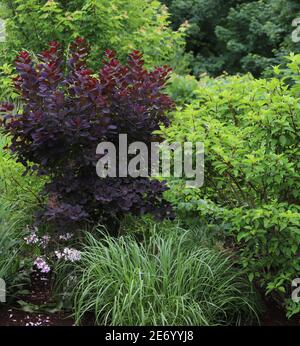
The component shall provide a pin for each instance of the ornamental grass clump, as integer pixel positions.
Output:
(163, 281)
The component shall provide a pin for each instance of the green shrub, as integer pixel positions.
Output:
(182, 88)
(250, 129)
(159, 282)
(16, 189)
(106, 24)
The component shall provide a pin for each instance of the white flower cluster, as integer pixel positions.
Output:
(69, 254)
(66, 236)
(34, 239)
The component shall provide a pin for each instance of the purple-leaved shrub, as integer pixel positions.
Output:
(67, 110)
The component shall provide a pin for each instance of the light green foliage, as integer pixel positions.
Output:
(14, 187)
(251, 131)
(163, 281)
(106, 24)
(7, 92)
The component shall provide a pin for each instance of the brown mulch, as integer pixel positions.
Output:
(275, 315)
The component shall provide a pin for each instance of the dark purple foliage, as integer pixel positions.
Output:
(67, 112)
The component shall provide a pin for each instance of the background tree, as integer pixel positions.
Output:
(236, 35)
(258, 34)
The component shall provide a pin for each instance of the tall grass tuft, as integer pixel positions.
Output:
(18, 202)
(11, 241)
(160, 282)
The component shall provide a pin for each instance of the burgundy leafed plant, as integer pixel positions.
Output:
(66, 112)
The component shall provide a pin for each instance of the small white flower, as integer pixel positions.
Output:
(58, 254)
(32, 239)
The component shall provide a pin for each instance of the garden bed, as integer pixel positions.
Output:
(93, 229)
(40, 298)
(13, 317)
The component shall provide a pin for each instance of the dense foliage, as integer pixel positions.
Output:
(107, 24)
(236, 35)
(67, 111)
(250, 129)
